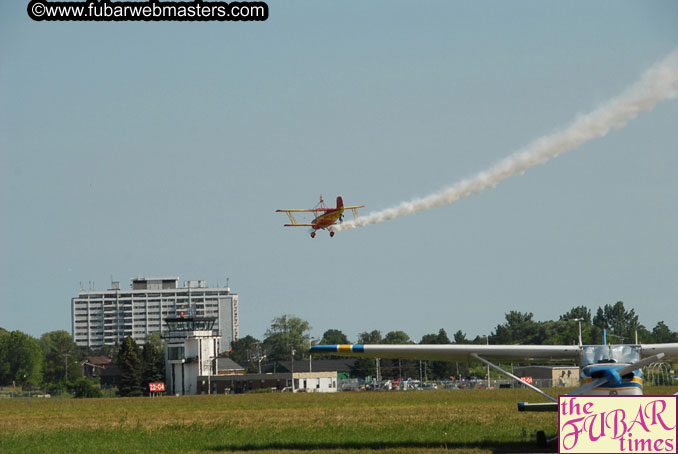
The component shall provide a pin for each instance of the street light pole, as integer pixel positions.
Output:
(209, 374)
(579, 320)
(310, 358)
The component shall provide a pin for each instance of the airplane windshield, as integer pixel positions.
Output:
(601, 354)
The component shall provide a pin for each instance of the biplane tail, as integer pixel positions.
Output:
(340, 202)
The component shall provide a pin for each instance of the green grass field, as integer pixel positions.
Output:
(381, 422)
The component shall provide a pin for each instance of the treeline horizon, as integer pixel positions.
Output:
(54, 364)
(289, 337)
(53, 359)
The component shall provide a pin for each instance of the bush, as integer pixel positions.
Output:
(261, 391)
(83, 387)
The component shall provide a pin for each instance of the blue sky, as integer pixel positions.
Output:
(152, 149)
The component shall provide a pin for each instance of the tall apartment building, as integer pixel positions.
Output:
(106, 317)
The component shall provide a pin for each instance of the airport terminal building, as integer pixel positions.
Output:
(106, 317)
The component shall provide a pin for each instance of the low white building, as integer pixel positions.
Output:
(311, 382)
(190, 350)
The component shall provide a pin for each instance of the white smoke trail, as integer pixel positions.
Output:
(658, 83)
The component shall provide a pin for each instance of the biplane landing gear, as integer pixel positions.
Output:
(312, 234)
(331, 233)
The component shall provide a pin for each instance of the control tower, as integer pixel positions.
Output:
(191, 347)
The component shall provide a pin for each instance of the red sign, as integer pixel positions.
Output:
(527, 380)
(156, 387)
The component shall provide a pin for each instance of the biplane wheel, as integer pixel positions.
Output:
(312, 234)
(331, 233)
(542, 442)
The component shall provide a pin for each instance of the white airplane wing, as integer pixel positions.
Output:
(466, 352)
(454, 352)
(670, 351)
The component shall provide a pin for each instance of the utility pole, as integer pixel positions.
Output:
(209, 373)
(66, 355)
(293, 370)
(310, 357)
(260, 357)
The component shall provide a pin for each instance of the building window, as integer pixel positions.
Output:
(175, 353)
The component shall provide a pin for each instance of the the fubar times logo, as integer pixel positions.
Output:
(617, 424)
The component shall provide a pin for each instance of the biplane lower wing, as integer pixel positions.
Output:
(293, 220)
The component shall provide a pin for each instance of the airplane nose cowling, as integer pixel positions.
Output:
(613, 377)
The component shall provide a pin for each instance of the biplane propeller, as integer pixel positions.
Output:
(325, 217)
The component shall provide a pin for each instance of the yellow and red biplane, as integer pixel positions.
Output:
(324, 216)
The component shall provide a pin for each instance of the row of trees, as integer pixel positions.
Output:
(289, 337)
(622, 327)
(54, 363)
(29, 362)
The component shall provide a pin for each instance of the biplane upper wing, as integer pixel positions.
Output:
(454, 352)
(315, 210)
(309, 210)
